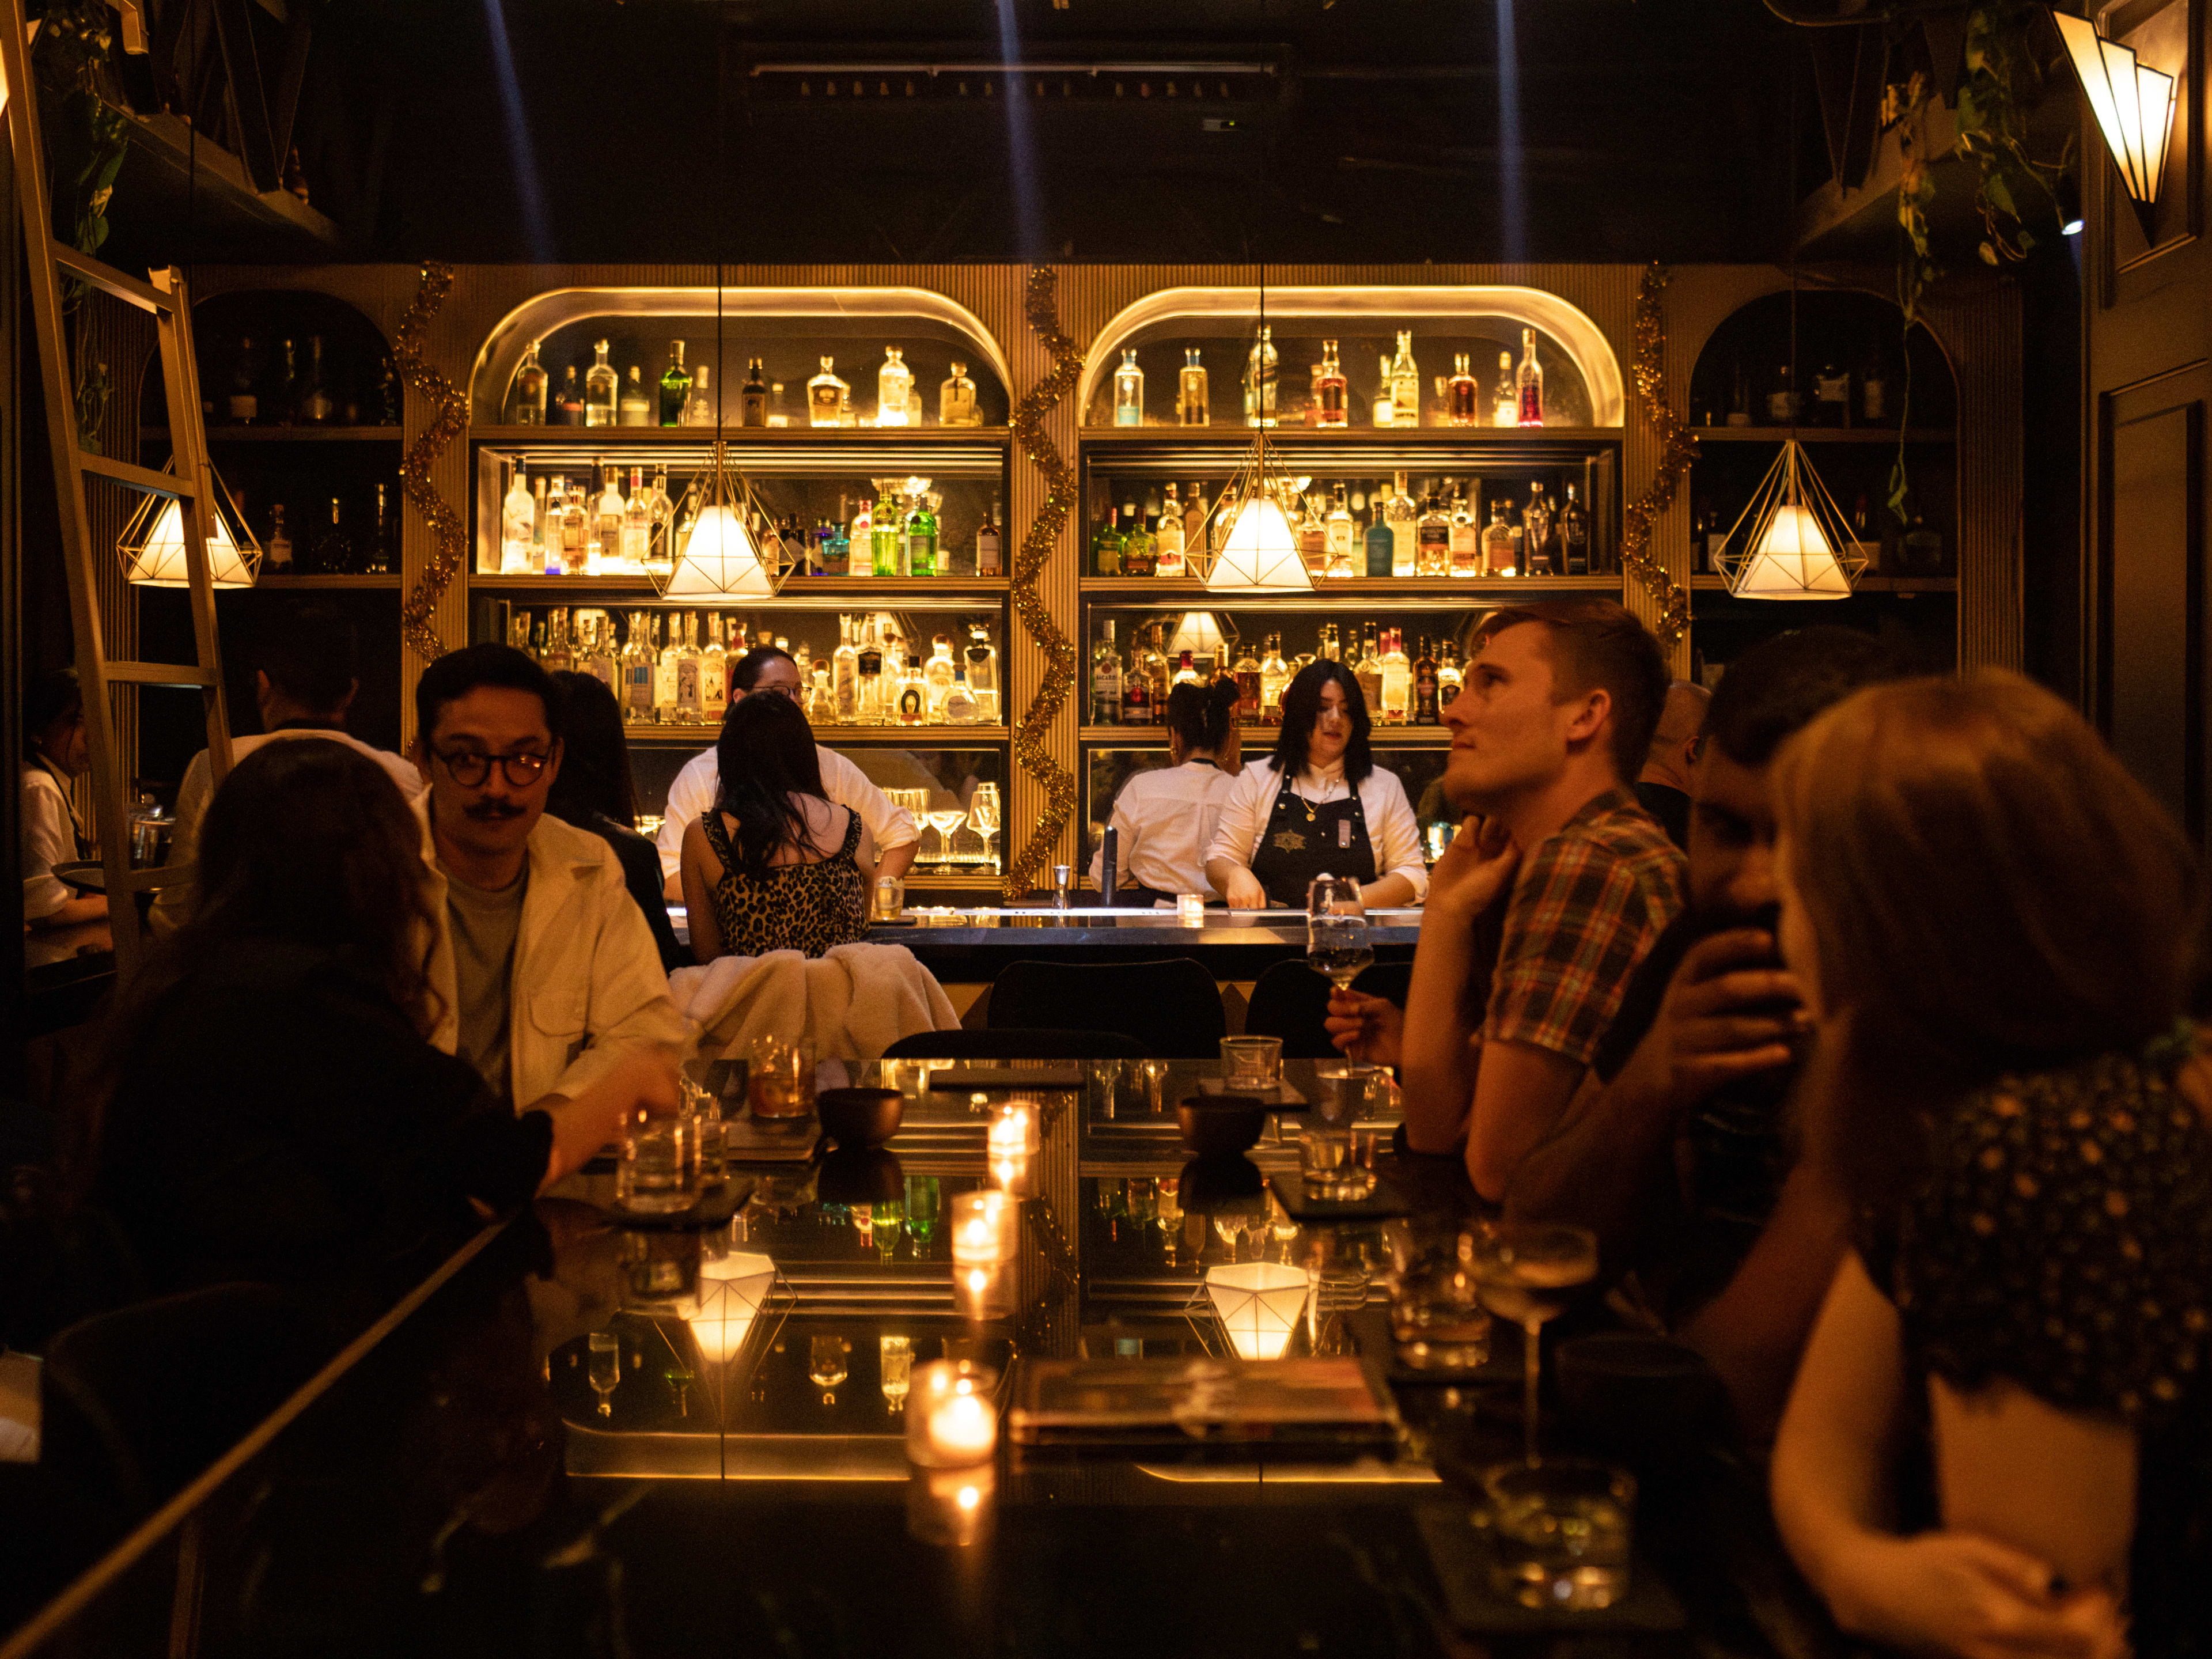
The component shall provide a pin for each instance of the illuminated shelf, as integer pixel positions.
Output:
(1408, 587)
(1866, 584)
(839, 736)
(1259, 738)
(805, 593)
(269, 434)
(590, 437)
(1351, 437)
(272, 579)
(1819, 434)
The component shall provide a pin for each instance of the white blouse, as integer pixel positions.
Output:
(1391, 825)
(1166, 818)
(49, 838)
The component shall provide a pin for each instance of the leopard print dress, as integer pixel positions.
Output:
(808, 908)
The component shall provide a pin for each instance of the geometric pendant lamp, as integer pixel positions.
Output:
(1795, 543)
(721, 559)
(152, 545)
(2133, 105)
(731, 1293)
(1260, 1304)
(1254, 544)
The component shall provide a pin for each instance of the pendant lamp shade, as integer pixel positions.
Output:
(152, 546)
(1792, 542)
(721, 558)
(1260, 1304)
(1199, 633)
(731, 1293)
(1254, 543)
(2133, 105)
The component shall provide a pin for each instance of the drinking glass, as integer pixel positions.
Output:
(1252, 1062)
(604, 1370)
(782, 1080)
(659, 1173)
(1337, 944)
(890, 898)
(983, 815)
(829, 1362)
(1526, 1270)
(944, 821)
(1560, 1532)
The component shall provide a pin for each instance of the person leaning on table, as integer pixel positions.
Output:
(1319, 804)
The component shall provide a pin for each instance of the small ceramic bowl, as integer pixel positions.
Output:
(1215, 1125)
(861, 1117)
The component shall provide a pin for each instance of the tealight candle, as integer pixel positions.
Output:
(985, 1229)
(962, 1430)
(952, 1416)
(1014, 1131)
(1191, 907)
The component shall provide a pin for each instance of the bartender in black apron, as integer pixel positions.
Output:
(1305, 839)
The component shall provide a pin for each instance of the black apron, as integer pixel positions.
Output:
(1305, 839)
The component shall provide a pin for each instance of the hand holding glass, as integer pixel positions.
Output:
(1337, 944)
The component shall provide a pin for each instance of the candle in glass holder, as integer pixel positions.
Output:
(984, 1293)
(985, 1229)
(952, 1415)
(1014, 1131)
(951, 1506)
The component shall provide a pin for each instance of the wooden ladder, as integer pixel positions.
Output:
(163, 295)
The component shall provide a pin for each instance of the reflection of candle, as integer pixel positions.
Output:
(985, 1229)
(986, 1292)
(962, 1430)
(951, 1506)
(1192, 909)
(952, 1419)
(1014, 1174)
(1014, 1131)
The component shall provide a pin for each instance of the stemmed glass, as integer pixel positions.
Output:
(983, 815)
(605, 1372)
(1337, 944)
(1526, 1270)
(944, 821)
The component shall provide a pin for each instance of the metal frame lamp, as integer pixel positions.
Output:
(1258, 1304)
(733, 1290)
(720, 558)
(1255, 545)
(152, 545)
(1798, 545)
(2133, 105)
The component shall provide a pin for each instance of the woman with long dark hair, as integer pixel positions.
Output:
(1164, 817)
(776, 865)
(1318, 805)
(594, 791)
(2001, 1433)
(277, 1113)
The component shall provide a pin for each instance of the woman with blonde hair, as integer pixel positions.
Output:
(1998, 1438)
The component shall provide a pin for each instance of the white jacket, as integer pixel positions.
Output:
(588, 983)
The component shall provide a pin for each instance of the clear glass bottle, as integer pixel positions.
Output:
(637, 665)
(1106, 679)
(517, 527)
(1313, 540)
(1461, 394)
(1142, 694)
(1275, 675)
(1448, 675)
(599, 388)
(1262, 368)
(982, 671)
(990, 544)
(921, 535)
(699, 403)
(1397, 679)
(659, 514)
(1195, 508)
(1536, 534)
(1168, 537)
(675, 387)
(1497, 543)
(960, 706)
(1400, 512)
(956, 399)
(1467, 544)
(1340, 533)
(868, 668)
(575, 533)
(600, 662)
(1385, 410)
(278, 547)
(1432, 539)
(1331, 394)
(1405, 382)
(911, 703)
(1575, 537)
(636, 525)
(556, 658)
(1191, 407)
(636, 407)
(1504, 399)
(825, 395)
(894, 380)
(1528, 381)
(664, 676)
(714, 673)
(1367, 671)
(1244, 669)
(1129, 391)
(936, 674)
(568, 409)
(1186, 673)
(606, 545)
(690, 704)
(887, 534)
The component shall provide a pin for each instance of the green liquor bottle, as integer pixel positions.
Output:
(1381, 539)
(921, 537)
(1106, 547)
(886, 534)
(675, 386)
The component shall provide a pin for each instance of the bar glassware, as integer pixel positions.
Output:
(1063, 886)
(1337, 945)
(1527, 1270)
(1560, 1533)
(1251, 1062)
(604, 1370)
(983, 815)
(659, 1173)
(782, 1080)
(890, 898)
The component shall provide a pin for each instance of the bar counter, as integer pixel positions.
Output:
(547, 1448)
(966, 945)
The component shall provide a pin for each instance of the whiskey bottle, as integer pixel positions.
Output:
(1461, 394)
(956, 399)
(921, 535)
(1448, 676)
(1313, 541)
(1106, 679)
(1149, 663)
(600, 384)
(675, 387)
(825, 395)
(568, 408)
(894, 380)
(1139, 543)
(1397, 679)
(636, 405)
(990, 548)
(1536, 534)
(636, 537)
(714, 673)
(752, 396)
(1367, 671)
(1506, 399)
(1529, 382)
(278, 547)
(1432, 540)
(1574, 536)
(1186, 673)
(1339, 532)
(1497, 543)
(1192, 406)
(1426, 710)
(1262, 366)
(1168, 537)
(1331, 393)
(1138, 706)
(1275, 675)
(1129, 391)
(1381, 546)
(1246, 669)
(1467, 543)
(1401, 514)
(1386, 412)
(982, 672)
(868, 667)
(1405, 383)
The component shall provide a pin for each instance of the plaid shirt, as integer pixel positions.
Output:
(1586, 906)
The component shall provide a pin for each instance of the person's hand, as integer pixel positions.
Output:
(1371, 1030)
(1956, 1592)
(1475, 869)
(1245, 892)
(642, 1083)
(1728, 1012)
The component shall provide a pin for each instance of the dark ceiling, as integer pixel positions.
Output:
(1322, 130)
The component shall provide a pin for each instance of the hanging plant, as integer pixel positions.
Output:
(76, 39)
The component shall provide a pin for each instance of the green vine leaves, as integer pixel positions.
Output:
(2016, 194)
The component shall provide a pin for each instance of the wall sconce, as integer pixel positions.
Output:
(2133, 105)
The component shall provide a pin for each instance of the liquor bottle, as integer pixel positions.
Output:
(312, 405)
(288, 383)
(868, 667)
(1150, 662)
(385, 398)
(887, 534)
(1313, 540)
(384, 545)
(575, 534)
(1405, 383)
(1536, 535)
(1781, 403)
(936, 674)
(1873, 391)
(675, 387)
(1426, 711)
(635, 536)
(1386, 411)
(636, 408)
(1129, 391)
(1448, 677)
(659, 514)
(637, 672)
(1192, 405)
(1380, 545)
(1529, 382)
(910, 706)
(1397, 679)
(334, 553)
(1398, 513)
(278, 547)
(1275, 675)
(597, 658)
(1505, 401)
(1106, 679)
(699, 408)
(690, 692)
(1195, 543)
(714, 673)
(517, 527)
(1186, 673)
(605, 545)
(1140, 704)
(1432, 539)
(1168, 538)
(1246, 672)
(1832, 396)
(838, 546)
(961, 708)
(1139, 544)
(1331, 394)
(1440, 401)
(567, 408)
(982, 672)
(1497, 543)
(556, 658)
(956, 399)
(1106, 547)
(1466, 543)
(664, 676)
(752, 396)
(1326, 648)
(1339, 532)
(921, 535)
(894, 380)
(242, 404)
(545, 532)
(600, 384)
(1260, 370)
(776, 414)
(1461, 394)
(1367, 671)
(825, 395)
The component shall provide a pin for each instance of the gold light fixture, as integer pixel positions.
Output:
(2133, 105)
(1792, 541)
(152, 545)
(721, 558)
(1253, 540)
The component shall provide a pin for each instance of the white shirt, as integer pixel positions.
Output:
(175, 905)
(1166, 817)
(49, 837)
(844, 783)
(1391, 826)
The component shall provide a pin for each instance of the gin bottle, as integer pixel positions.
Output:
(825, 395)
(1261, 368)
(1337, 530)
(636, 525)
(921, 535)
(1405, 382)
(699, 403)
(1397, 679)
(845, 676)
(689, 699)
(1497, 543)
(1379, 545)
(714, 673)
(894, 380)
(1460, 397)
(1330, 392)
(1194, 523)
(1529, 382)
(607, 524)
(1106, 546)
(912, 704)
(637, 665)
(1432, 535)
(982, 671)
(526, 401)
(956, 399)
(1129, 391)
(516, 524)
(937, 674)
(636, 404)
(575, 534)
(1168, 539)
(1505, 401)
(600, 383)
(1275, 675)
(1400, 513)
(660, 511)
(665, 676)
(1386, 411)
(1191, 403)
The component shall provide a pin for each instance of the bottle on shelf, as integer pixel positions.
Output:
(1186, 673)
(569, 410)
(1448, 675)
(1339, 532)
(384, 542)
(1440, 401)
(334, 553)
(825, 395)
(894, 380)
(1149, 661)
(660, 517)
(1385, 409)
(637, 666)
(1326, 647)
(690, 699)
(1426, 710)
(312, 405)
(714, 673)
(1246, 672)
(1106, 546)
(1367, 671)
(1832, 396)
(606, 545)
(600, 407)
(1168, 537)
(597, 658)
(936, 674)
(921, 535)
(1506, 399)
(1129, 391)
(868, 668)
(1432, 538)
(1194, 543)
(1401, 516)
(1405, 383)
(956, 399)
(635, 407)
(982, 669)
(837, 549)
(288, 383)
(556, 658)
(1138, 705)
(1397, 679)
(1331, 394)
(1782, 407)
(1192, 405)
(543, 531)
(752, 396)
(575, 534)
(1139, 547)
(277, 549)
(776, 414)
(518, 526)
(242, 401)
(675, 387)
(1497, 543)
(1462, 397)
(845, 676)
(913, 694)
(887, 534)
(1313, 540)
(1536, 534)
(1378, 543)
(1528, 381)
(1466, 543)
(1275, 675)
(635, 538)
(1873, 391)
(664, 675)
(1261, 369)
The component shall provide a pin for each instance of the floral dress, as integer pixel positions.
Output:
(807, 907)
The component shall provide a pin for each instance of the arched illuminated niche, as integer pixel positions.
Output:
(1568, 340)
(869, 317)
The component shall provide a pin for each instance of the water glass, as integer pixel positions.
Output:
(659, 1173)
(1252, 1062)
(783, 1079)
(1560, 1532)
(1437, 1315)
(890, 898)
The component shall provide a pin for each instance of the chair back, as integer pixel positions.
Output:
(1171, 1006)
(1017, 1045)
(1290, 1001)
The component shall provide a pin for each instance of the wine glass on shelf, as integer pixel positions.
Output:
(1337, 944)
(605, 1372)
(945, 820)
(1527, 1270)
(983, 815)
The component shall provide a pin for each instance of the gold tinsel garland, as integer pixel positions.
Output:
(1026, 867)
(1678, 448)
(449, 414)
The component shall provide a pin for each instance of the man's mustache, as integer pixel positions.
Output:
(488, 811)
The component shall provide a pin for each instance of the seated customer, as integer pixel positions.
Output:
(776, 865)
(1318, 805)
(1985, 914)
(1542, 906)
(545, 971)
(1678, 1151)
(56, 749)
(277, 1114)
(594, 791)
(306, 674)
(1164, 818)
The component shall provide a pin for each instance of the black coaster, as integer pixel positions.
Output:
(714, 1207)
(1461, 1553)
(1381, 1202)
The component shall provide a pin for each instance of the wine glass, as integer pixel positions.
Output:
(983, 815)
(605, 1368)
(1526, 1270)
(1337, 944)
(944, 821)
